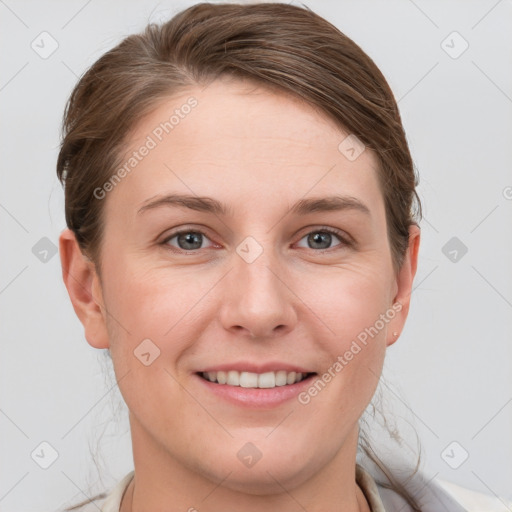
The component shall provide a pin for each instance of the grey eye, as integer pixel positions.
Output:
(319, 239)
(187, 240)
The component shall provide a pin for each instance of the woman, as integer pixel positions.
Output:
(243, 238)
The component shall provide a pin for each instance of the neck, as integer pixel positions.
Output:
(162, 484)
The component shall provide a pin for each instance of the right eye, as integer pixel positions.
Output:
(186, 240)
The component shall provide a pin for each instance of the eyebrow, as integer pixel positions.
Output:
(301, 207)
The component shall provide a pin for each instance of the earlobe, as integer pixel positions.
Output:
(84, 289)
(404, 282)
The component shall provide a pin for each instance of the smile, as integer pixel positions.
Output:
(254, 380)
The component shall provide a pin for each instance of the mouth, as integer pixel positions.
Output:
(251, 380)
(254, 390)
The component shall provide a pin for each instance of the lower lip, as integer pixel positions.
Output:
(257, 397)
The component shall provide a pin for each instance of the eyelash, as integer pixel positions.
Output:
(345, 241)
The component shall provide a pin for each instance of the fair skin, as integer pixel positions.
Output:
(300, 303)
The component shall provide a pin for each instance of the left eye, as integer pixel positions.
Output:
(187, 240)
(321, 239)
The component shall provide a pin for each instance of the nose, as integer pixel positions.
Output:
(257, 300)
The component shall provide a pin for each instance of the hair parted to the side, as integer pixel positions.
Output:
(284, 47)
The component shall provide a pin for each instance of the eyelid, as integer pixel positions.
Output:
(345, 239)
(186, 229)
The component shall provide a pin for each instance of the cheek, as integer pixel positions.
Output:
(346, 300)
(156, 303)
(351, 305)
(152, 322)
(168, 304)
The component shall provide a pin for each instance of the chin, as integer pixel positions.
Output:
(265, 481)
(268, 475)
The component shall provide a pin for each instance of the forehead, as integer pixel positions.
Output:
(240, 141)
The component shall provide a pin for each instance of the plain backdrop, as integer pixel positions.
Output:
(449, 375)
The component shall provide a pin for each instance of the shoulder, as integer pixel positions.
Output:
(475, 501)
(109, 501)
(432, 495)
(438, 494)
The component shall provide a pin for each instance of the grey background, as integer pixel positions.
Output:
(449, 375)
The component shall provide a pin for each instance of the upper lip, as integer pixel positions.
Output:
(252, 367)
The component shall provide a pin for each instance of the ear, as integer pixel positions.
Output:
(84, 289)
(404, 281)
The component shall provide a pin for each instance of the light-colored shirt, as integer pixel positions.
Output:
(433, 495)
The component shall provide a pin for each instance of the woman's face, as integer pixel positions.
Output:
(283, 263)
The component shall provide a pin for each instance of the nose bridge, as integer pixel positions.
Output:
(258, 274)
(258, 301)
(255, 269)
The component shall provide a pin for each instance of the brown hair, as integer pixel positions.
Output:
(280, 46)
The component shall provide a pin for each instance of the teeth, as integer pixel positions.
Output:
(280, 378)
(248, 380)
(267, 380)
(233, 378)
(254, 380)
